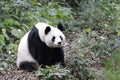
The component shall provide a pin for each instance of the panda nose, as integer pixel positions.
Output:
(59, 43)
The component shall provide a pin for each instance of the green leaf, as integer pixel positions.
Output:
(88, 30)
(16, 23)
(65, 11)
(17, 33)
(5, 34)
(2, 42)
(118, 34)
(8, 22)
(4, 64)
(34, 2)
(1, 39)
(1, 24)
(52, 12)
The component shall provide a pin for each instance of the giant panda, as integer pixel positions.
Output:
(41, 46)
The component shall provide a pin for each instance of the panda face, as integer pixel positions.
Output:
(57, 41)
(54, 37)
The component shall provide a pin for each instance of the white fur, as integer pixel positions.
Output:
(57, 33)
(23, 52)
(47, 38)
(41, 28)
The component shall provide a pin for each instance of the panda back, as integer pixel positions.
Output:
(23, 51)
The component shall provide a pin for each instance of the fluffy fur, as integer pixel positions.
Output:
(41, 46)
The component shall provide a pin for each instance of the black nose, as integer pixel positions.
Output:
(59, 43)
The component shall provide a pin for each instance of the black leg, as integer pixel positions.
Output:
(29, 66)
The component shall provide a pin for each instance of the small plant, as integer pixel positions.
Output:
(53, 72)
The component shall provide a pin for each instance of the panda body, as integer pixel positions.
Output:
(41, 46)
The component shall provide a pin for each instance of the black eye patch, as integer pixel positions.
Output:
(61, 38)
(53, 38)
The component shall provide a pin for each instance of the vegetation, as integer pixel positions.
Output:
(112, 66)
(53, 72)
(94, 23)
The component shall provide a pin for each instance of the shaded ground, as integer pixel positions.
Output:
(18, 75)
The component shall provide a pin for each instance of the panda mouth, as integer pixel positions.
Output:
(54, 46)
(57, 46)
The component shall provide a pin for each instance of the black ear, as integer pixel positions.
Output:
(60, 27)
(47, 30)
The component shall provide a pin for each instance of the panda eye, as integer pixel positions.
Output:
(61, 38)
(53, 38)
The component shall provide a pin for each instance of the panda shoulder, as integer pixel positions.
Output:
(41, 26)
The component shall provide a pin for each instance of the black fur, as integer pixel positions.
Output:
(30, 66)
(53, 38)
(41, 52)
(61, 38)
(47, 30)
(60, 27)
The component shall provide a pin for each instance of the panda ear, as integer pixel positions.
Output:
(47, 30)
(60, 27)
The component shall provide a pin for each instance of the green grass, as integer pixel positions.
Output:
(112, 66)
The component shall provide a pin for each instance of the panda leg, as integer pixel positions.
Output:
(29, 66)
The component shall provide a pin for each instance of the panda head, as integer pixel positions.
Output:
(54, 36)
